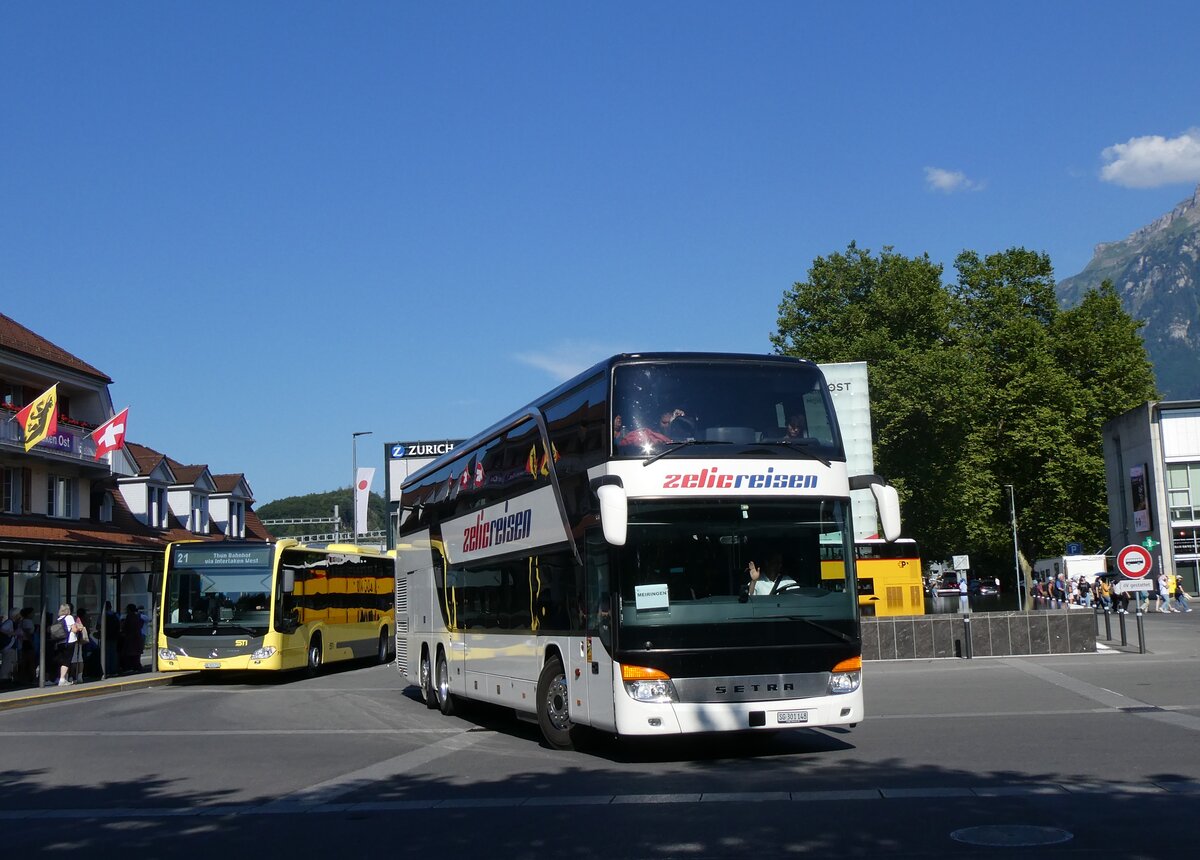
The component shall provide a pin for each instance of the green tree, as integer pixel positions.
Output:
(977, 384)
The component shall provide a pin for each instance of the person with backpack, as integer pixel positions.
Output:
(63, 636)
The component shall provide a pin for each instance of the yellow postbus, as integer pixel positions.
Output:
(888, 575)
(264, 606)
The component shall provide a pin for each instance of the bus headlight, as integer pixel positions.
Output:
(648, 685)
(846, 676)
(263, 653)
(167, 654)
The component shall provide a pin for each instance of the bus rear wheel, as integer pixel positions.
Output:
(444, 699)
(554, 706)
(384, 651)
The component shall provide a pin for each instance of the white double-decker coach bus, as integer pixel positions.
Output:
(639, 551)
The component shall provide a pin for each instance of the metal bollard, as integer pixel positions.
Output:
(1121, 619)
(1107, 624)
(967, 635)
(1141, 632)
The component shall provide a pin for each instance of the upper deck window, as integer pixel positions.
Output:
(778, 406)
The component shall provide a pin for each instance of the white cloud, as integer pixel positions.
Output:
(950, 181)
(1153, 160)
(566, 359)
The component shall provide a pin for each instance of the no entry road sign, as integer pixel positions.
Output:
(1134, 561)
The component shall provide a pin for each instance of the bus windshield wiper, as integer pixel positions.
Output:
(249, 631)
(675, 446)
(804, 448)
(823, 627)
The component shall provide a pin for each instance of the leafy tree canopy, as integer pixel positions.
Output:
(977, 384)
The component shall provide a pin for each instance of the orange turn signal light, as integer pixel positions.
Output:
(641, 673)
(850, 664)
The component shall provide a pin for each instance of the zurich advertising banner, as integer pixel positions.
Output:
(852, 402)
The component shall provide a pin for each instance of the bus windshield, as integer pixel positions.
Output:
(214, 588)
(783, 408)
(684, 574)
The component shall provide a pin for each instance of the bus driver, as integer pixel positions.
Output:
(770, 578)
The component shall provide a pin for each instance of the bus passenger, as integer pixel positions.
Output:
(618, 431)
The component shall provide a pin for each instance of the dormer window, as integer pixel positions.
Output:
(106, 508)
(156, 507)
(198, 519)
(236, 527)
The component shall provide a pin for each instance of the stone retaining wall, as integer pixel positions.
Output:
(993, 634)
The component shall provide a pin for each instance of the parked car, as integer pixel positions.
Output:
(983, 586)
(946, 584)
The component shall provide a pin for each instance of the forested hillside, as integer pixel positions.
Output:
(321, 505)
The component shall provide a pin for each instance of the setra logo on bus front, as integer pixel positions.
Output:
(713, 479)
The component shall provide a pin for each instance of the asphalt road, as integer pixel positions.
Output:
(1092, 755)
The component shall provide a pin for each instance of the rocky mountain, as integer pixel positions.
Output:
(1156, 271)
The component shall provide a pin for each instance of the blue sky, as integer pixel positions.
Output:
(275, 224)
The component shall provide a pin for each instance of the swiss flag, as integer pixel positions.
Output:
(110, 435)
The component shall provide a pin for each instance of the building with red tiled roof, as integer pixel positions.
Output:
(82, 530)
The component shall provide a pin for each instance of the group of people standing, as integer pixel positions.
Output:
(1061, 591)
(71, 646)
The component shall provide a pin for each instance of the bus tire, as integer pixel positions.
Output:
(384, 651)
(427, 692)
(316, 655)
(554, 706)
(445, 700)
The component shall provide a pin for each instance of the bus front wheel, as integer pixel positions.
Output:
(315, 655)
(444, 699)
(384, 651)
(554, 706)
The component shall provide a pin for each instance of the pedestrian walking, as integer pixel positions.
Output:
(1181, 598)
(1164, 593)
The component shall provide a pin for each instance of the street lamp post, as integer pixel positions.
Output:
(1012, 507)
(354, 477)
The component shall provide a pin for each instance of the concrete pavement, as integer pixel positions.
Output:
(1174, 634)
(21, 697)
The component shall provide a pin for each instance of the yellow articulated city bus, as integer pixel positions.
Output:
(265, 607)
(888, 575)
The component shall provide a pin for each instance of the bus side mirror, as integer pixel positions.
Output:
(288, 583)
(888, 503)
(614, 509)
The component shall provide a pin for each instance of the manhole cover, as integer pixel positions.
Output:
(1011, 835)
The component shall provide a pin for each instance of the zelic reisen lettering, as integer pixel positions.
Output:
(712, 479)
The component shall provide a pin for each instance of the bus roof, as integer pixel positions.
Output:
(601, 367)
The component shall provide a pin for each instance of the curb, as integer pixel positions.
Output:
(87, 690)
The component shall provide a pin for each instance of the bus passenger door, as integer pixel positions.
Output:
(598, 642)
